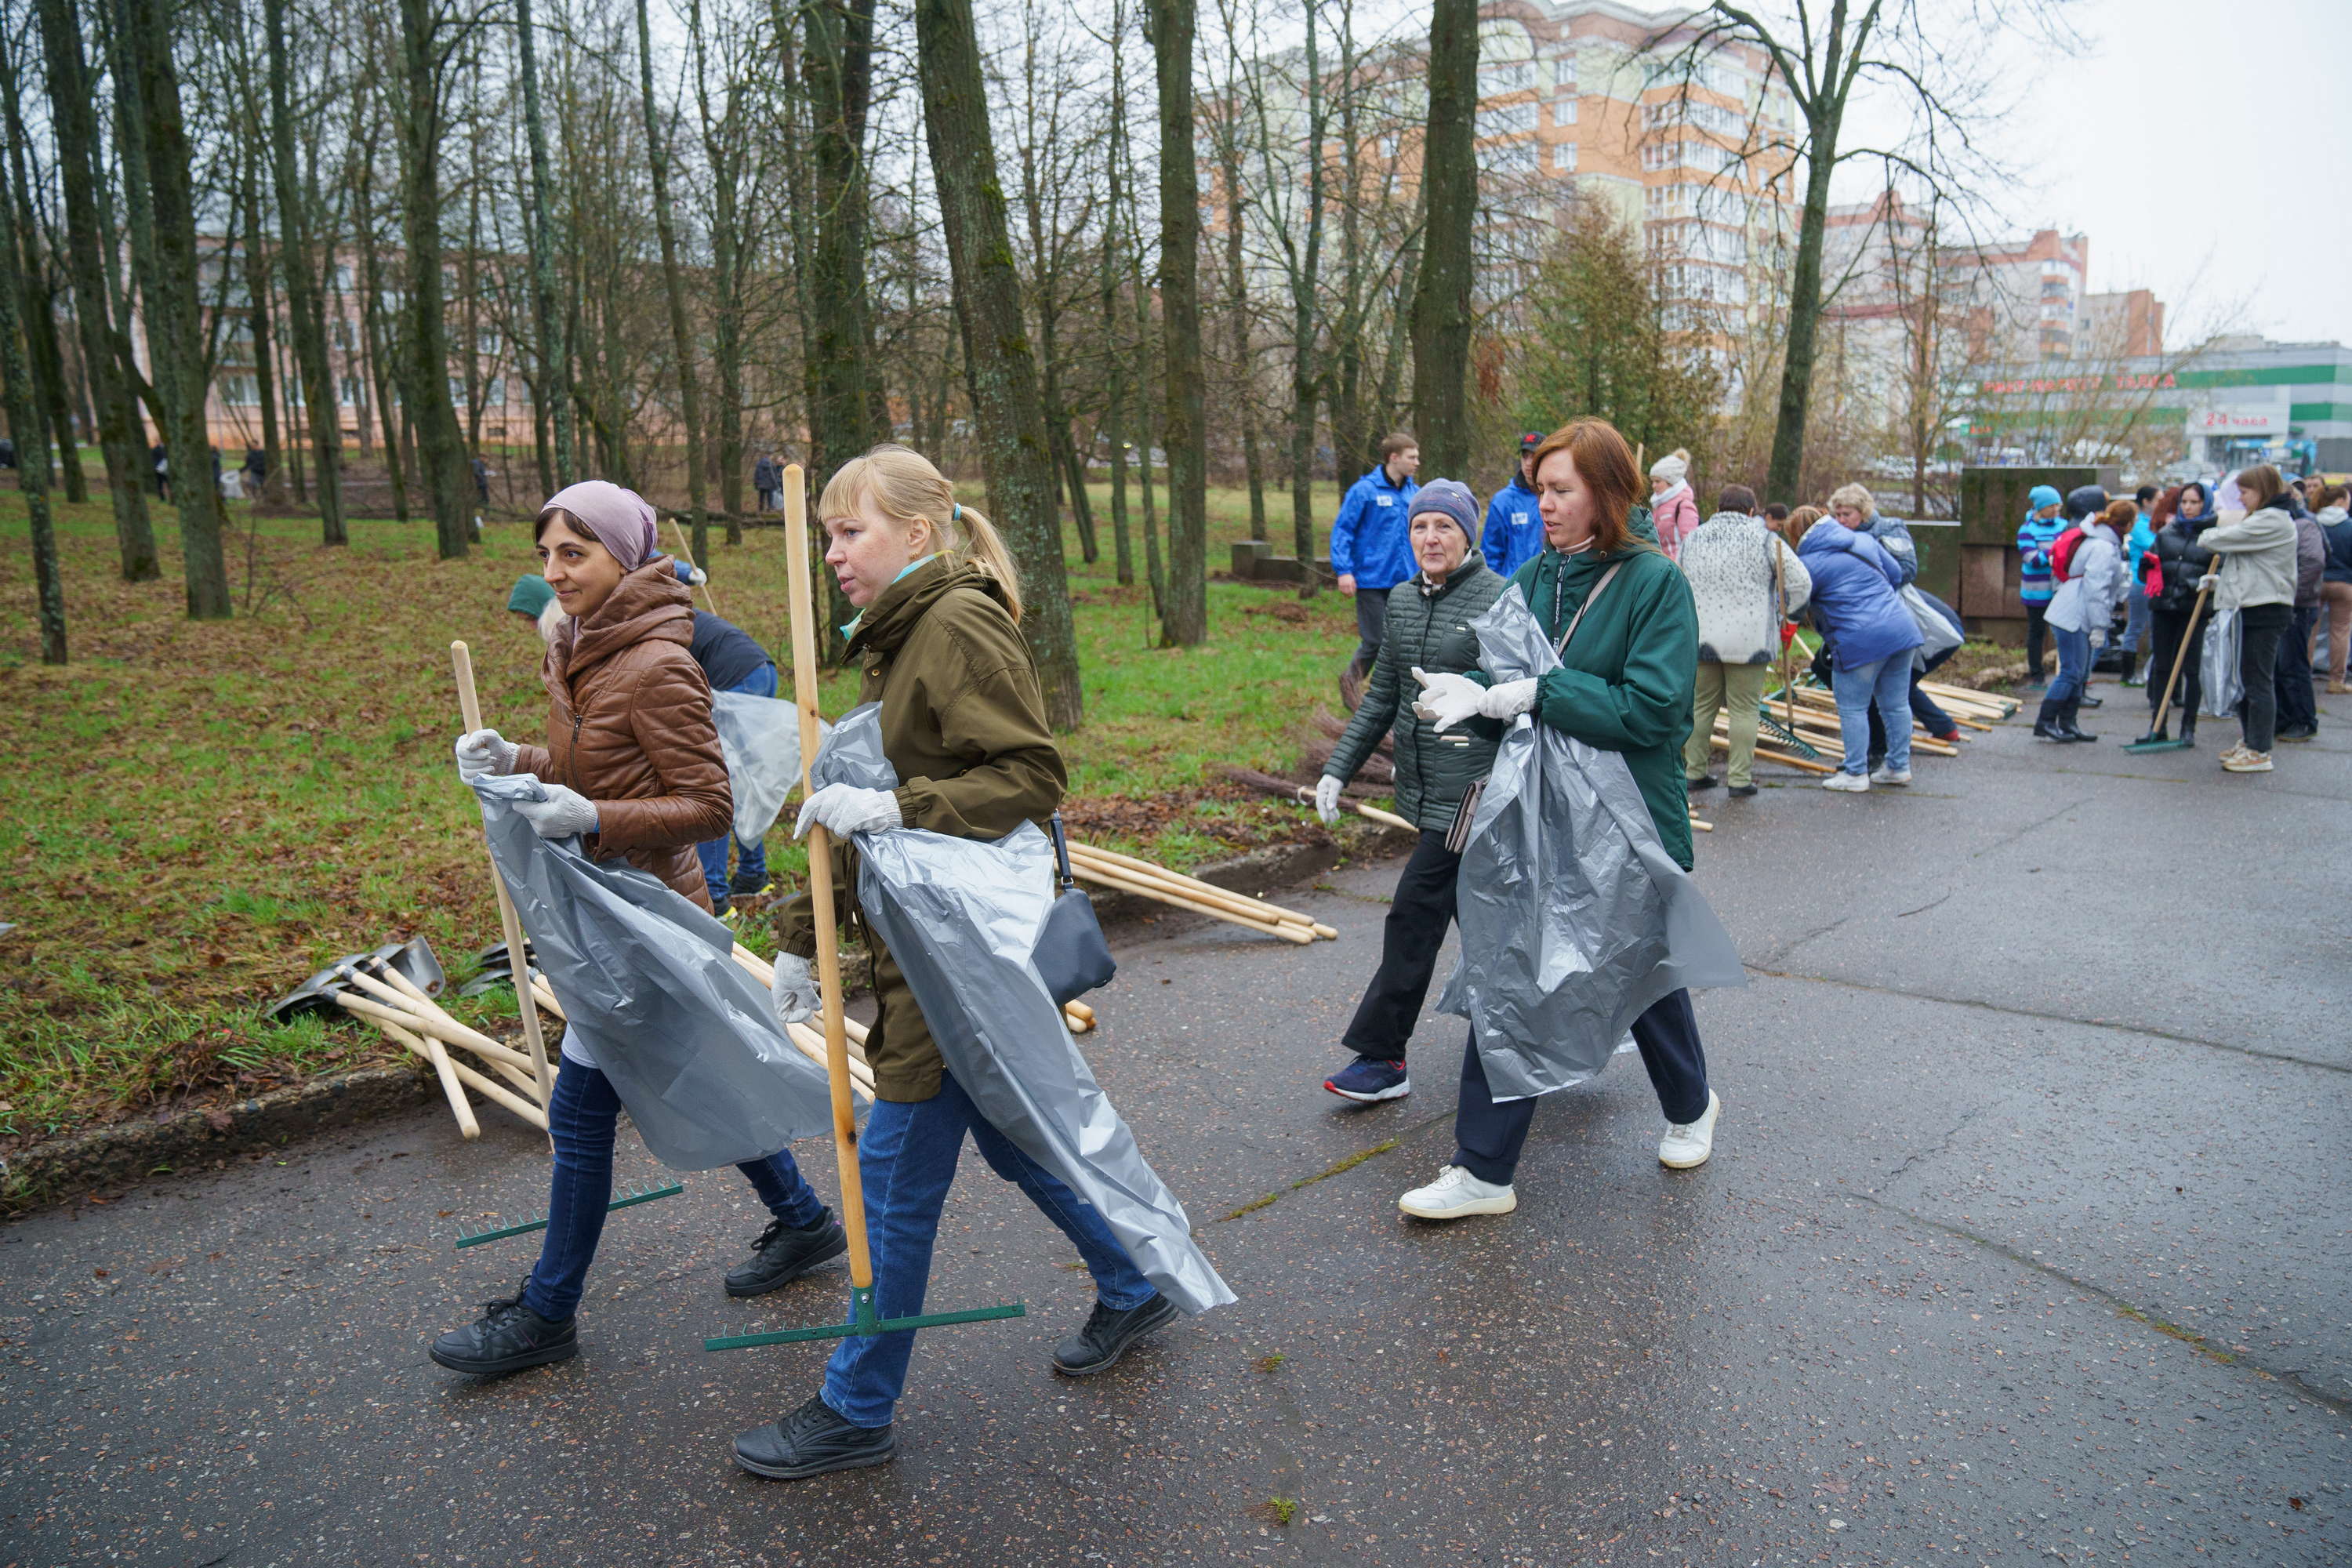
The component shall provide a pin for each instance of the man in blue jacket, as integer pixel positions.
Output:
(1514, 533)
(1370, 550)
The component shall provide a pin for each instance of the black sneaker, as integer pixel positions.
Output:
(1740, 792)
(719, 906)
(782, 1255)
(811, 1441)
(1107, 1334)
(1705, 781)
(738, 886)
(509, 1337)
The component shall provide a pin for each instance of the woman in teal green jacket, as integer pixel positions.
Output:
(1625, 684)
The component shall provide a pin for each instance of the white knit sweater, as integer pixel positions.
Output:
(1728, 560)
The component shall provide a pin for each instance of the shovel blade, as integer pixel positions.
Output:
(316, 994)
(415, 960)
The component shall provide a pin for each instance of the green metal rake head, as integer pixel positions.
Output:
(629, 1199)
(863, 1324)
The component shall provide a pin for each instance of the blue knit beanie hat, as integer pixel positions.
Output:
(1453, 498)
(2041, 495)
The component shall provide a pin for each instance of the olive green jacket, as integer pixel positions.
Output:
(963, 723)
(1429, 629)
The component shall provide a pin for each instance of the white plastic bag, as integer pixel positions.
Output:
(2219, 671)
(761, 739)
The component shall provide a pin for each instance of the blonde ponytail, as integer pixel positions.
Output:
(903, 485)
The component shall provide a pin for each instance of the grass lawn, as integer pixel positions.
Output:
(195, 816)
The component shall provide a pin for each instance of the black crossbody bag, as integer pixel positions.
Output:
(1071, 955)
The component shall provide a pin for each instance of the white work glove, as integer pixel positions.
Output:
(482, 752)
(1327, 798)
(1448, 699)
(2208, 580)
(794, 993)
(696, 576)
(1508, 701)
(844, 809)
(561, 815)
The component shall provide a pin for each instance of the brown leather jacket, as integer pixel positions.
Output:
(629, 727)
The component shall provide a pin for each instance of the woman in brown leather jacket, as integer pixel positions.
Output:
(963, 724)
(632, 764)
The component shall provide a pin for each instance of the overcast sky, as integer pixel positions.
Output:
(2205, 146)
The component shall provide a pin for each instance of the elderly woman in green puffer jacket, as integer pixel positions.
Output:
(1428, 631)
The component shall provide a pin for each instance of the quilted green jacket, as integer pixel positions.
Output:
(1428, 628)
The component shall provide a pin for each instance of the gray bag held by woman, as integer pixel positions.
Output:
(651, 989)
(1574, 919)
(962, 919)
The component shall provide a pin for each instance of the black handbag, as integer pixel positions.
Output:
(1071, 955)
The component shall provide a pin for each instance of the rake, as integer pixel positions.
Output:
(2179, 657)
(864, 1323)
(629, 1199)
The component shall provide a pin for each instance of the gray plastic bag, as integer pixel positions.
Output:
(761, 739)
(1574, 919)
(960, 917)
(651, 989)
(2222, 687)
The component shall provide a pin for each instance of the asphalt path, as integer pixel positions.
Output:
(2024, 1241)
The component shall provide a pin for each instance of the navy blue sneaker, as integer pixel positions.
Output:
(1368, 1081)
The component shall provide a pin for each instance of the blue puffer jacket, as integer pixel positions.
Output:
(1854, 598)
(1369, 540)
(1514, 534)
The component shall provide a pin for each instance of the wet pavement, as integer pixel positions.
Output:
(2024, 1241)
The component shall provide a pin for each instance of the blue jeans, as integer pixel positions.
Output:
(1883, 684)
(2137, 624)
(2073, 664)
(751, 860)
(582, 1118)
(907, 1158)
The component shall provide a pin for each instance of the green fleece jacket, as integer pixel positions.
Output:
(963, 722)
(1625, 684)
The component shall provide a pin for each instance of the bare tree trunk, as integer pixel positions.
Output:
(32, 444)
(1001, 366)
(1186, 429)
(39, 304)
(1229, 154)
(119, 435)
(371, 337)
(839, 76)
(1441, 303)
(552, 351)
(431, 419)
(260, 312)
(1115, 404)
(681, 340)
(723, 150)
(175, 337)
(298, 260)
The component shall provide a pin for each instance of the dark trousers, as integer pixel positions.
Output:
(1419, 914)
(2169, 626)
(1487, 1137)
(1372, 625)
(2298, 705)
(581, 1116)
(2260, 627)
(2036, 631)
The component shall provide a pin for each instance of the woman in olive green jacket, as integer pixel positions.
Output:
(1428, 628)
(1625, 684)
(963, 724)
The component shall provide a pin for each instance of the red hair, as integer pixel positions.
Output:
(1605, 463)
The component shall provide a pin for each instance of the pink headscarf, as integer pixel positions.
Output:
(621, 520)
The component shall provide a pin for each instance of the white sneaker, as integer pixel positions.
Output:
(1687, 1144)
(1853, 783)
(1886, 775)
(1457, 1192)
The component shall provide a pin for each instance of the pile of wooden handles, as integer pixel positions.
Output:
(393, 1004)
(1125, 874)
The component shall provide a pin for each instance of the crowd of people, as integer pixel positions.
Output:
(1656, 621)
